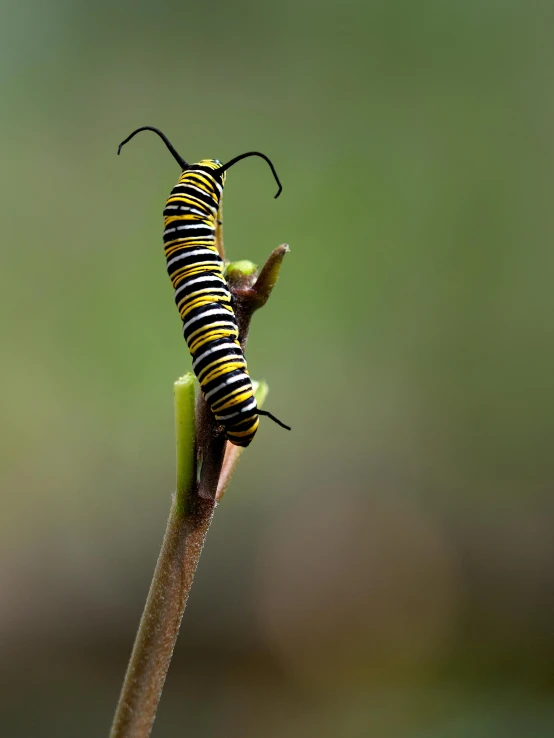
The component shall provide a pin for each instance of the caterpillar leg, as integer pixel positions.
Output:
(275, 420)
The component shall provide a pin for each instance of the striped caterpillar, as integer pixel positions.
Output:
(202, 295)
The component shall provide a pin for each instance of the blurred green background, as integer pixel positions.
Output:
(387, 568)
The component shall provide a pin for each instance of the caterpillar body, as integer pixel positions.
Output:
(202, 295)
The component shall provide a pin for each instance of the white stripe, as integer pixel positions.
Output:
(192, 225)
(198, 189)
(245, 409)
(207, 175)
(215, 311)
(236, 378)
(188, 282)
(186, 208)
(209, 239)
(215, 323)
(215, 181)
(218, 295)
(234, 358)
(215, 348)
(186, 226)
(193, 252)
(208, 278)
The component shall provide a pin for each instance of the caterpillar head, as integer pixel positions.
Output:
(211, 166)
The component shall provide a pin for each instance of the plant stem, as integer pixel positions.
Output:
(191, 513)
(159, 626)
(188, 523)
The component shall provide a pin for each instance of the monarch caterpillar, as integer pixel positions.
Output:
(202, 295)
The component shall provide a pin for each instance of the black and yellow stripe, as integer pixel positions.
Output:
(204, 301)
(202, 296)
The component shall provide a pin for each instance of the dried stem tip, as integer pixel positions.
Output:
(253, 288)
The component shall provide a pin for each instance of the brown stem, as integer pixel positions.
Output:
(188, 524)
(252, 291)
(230, 461)
(210, 450)
(189, 519)
(159, 626)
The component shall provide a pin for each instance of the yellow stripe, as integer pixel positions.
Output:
(190, 200)
(251, 430)
(194, 337)
(224, 331)
(201, 181)
(227, 368)
(186, 271)
(201, 341)
(215, 297)
(196, 302)
(235, 397)
(183, 246)
(169, 219)
(215, 362)
(177, 279)
(204, 241)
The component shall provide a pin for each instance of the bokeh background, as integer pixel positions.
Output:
(387, 568)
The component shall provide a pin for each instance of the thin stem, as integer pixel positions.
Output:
(189, 520)
(192, 509)
(159, 625)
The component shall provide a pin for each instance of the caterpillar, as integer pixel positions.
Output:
(202, 296)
